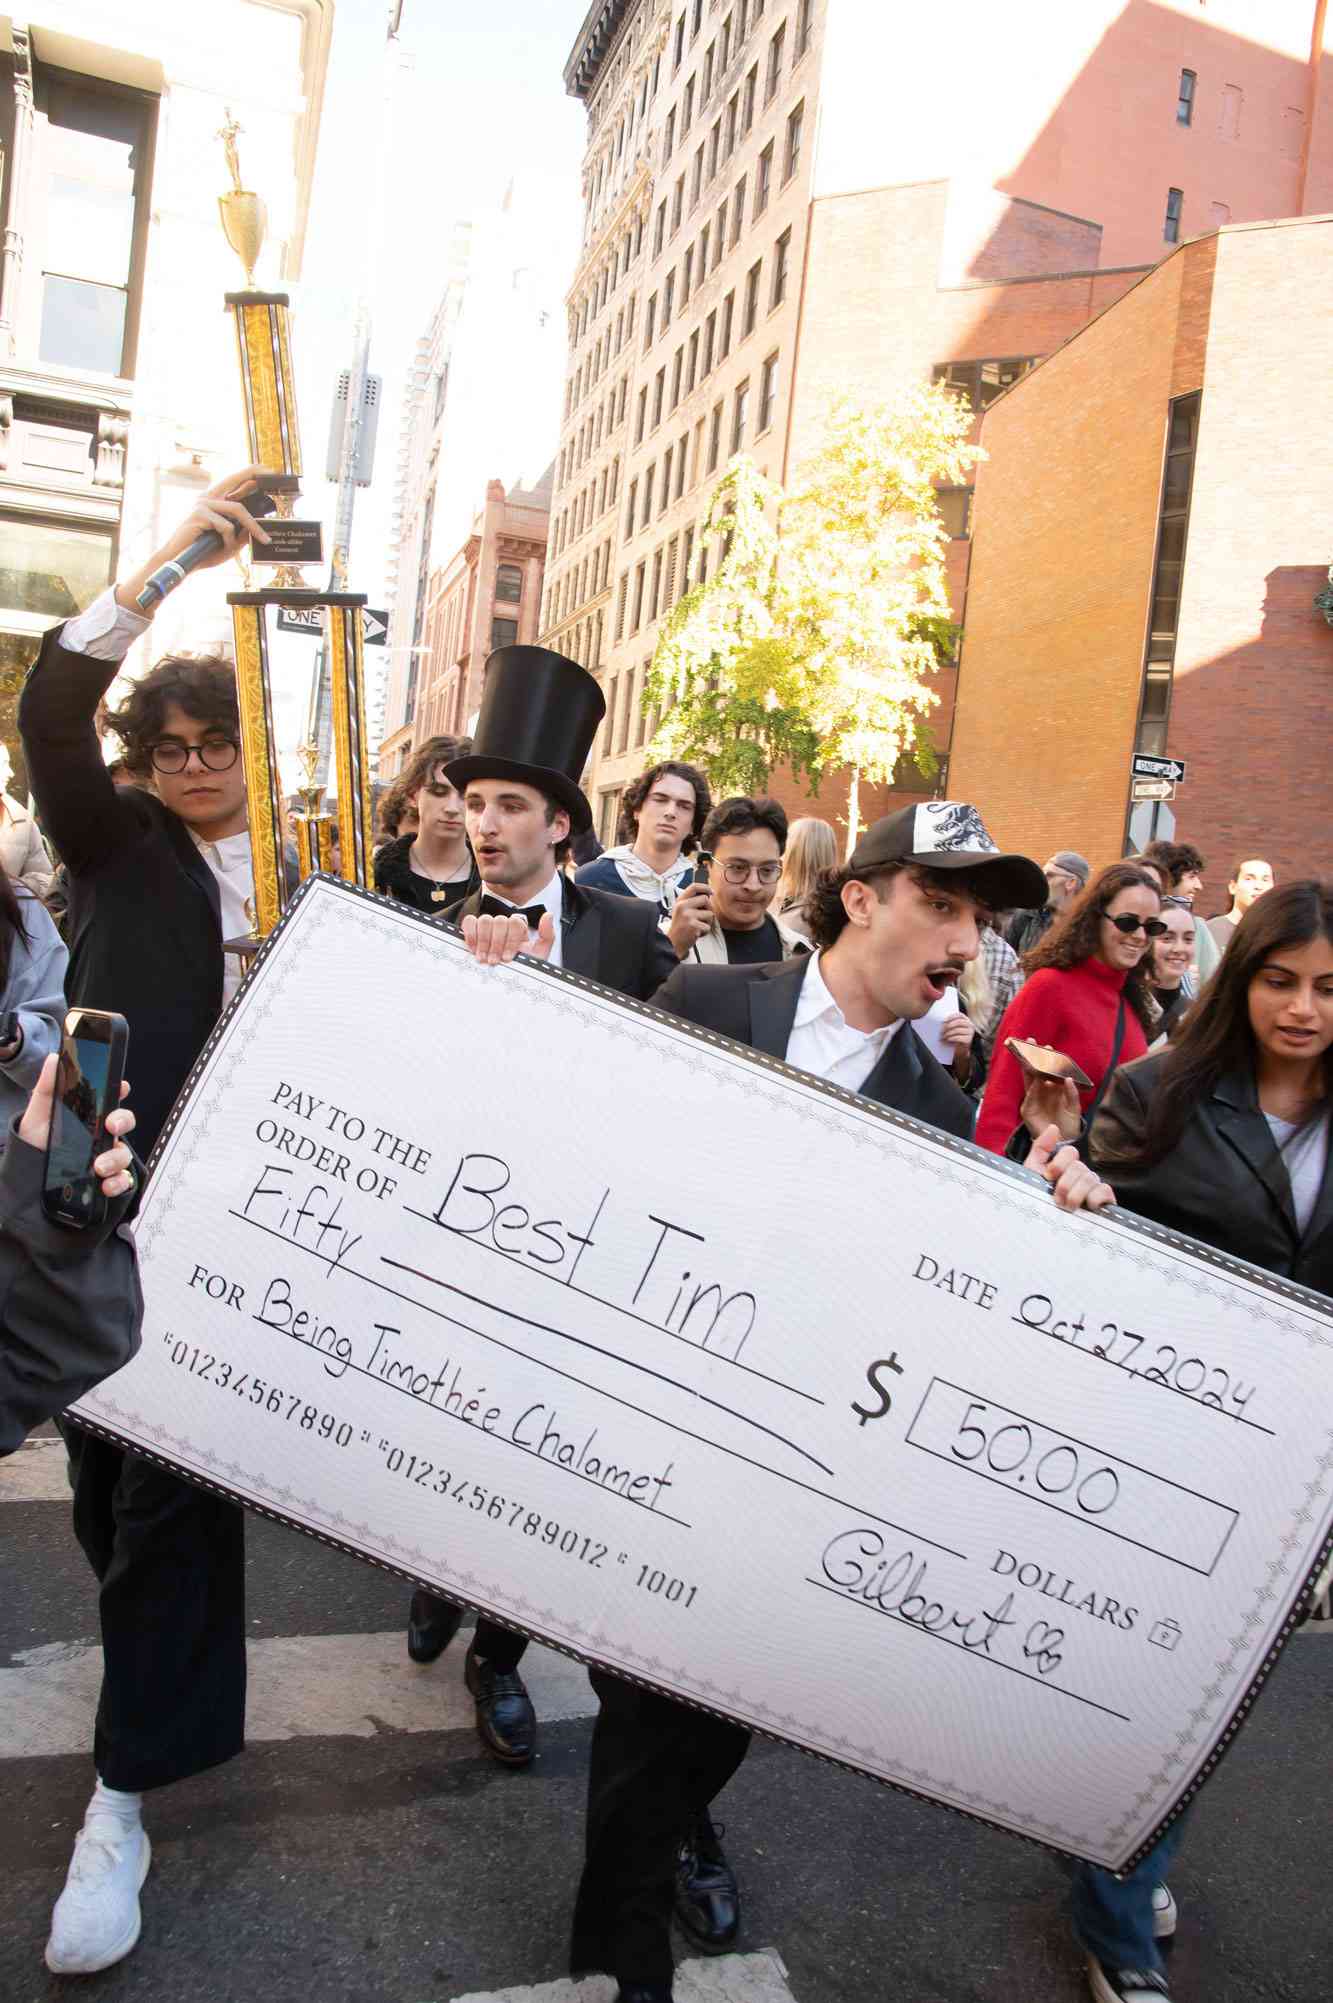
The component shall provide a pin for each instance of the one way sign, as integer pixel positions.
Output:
(1144, 767)
(310, 619)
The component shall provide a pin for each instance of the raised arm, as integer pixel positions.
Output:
(79, 806)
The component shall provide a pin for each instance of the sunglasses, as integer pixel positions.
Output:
(1127, 924)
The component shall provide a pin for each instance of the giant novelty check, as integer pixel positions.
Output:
(729, 1380)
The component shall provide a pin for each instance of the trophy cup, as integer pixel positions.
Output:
(263, 344)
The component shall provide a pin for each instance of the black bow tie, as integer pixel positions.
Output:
(493, 907)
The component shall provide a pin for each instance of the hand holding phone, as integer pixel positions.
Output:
(91, 1067)
(1053, 1083)
(691, 916)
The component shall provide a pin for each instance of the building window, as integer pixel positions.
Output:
(739, 412)
(641, 416)
(677, 204)
(703, 252)
(687, 109)
(1175, 202)
(763, 180)
(509, 584)
(504, 632)
(629, 507)
(710, 336)
(1168, 571)
(686, 274)
(982, 382)
(692, 367)
(655, 596)
(697, 183)
(650, 324)
(636, 618)
(724, 331)
(669, 136)
(621, 595)
(659, 395)
(626, 710)
(682, 453)
(804, 22)
(714, 437)
(774, 70)
(1185, 98)
(733, 118)
(678, 45)
(667, 458)
(707, 90)
(90, 173)
(748, 95)
(791, 159)
(751, 312)
(668, 300)
(781, 264)
(955, 506)
(677, 371)
(659, 228)
(737, 211)
(720, 241)
(648, 480)
(768, 390)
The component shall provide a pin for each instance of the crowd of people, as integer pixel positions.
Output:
(920, 970)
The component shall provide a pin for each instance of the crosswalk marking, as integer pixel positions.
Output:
(300, 1687)
(731, 1978)
(36, 1473)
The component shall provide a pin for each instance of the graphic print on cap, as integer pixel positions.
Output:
(950, 827)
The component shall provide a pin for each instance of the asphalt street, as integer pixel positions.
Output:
(366, 1850)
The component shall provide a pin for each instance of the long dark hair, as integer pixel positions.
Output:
(1217, 1037)
(11, 924)
(1077, 934)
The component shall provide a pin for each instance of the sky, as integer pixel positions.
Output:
(479, 98)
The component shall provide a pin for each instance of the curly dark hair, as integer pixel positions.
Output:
(203, 685)
(428, 757)
(1076, 934)
(741, 815)
(637, 792)
(826, 915)
(1176, 858)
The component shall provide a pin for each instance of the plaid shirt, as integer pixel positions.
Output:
(1006, 978)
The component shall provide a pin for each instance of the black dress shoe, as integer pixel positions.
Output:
(708, 1900)
(431, 1626)
(505, 1717)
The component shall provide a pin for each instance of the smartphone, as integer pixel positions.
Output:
(703, 862)
(1047, 1063)
(92, 1064)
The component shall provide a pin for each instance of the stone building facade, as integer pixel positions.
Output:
(119, 391)
(786, 200)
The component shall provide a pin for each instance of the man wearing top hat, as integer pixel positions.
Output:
(892, 930)
(522, 806)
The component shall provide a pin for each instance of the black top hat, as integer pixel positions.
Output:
(539, 716)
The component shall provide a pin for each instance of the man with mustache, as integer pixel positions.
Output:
(892, 930)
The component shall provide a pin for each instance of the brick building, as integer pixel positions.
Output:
(486, 596)
(1153, 522)
(787, 199)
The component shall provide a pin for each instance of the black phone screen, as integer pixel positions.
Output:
(92, 1057)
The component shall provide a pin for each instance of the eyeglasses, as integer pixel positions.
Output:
(1127, 924)
(739, 872)
(215, 754)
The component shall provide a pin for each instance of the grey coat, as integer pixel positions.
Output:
(36, 988)
(70, 1305)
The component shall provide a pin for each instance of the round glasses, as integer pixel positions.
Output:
(1127, 924)
(739, 872)
(215, 754)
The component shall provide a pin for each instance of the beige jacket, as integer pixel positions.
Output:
(710, 949)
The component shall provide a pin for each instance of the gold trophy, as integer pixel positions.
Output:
(263, 343)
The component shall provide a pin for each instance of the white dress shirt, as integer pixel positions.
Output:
(824, 1042)
(106, 631)
(553, 897)
(930, 1026)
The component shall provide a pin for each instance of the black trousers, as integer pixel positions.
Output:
(655, 1767)
(170, 1559)
(499, 1646)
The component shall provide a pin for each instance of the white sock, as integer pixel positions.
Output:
(111, 1801)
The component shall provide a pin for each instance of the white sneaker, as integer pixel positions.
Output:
(96, 1918)
(1163, 1912)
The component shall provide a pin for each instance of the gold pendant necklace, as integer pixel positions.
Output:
(438, 896)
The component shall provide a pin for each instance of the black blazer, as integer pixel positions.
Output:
(757, 1006)
(144, 928)
(1224, 1181)
(614, 940)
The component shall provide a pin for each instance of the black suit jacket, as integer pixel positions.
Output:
(1224, 1181)
(144, 928)
(614, 940)
(757, 1006)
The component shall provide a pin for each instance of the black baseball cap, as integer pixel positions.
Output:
(950, 834)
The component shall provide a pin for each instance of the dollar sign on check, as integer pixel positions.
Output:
(881, 1392)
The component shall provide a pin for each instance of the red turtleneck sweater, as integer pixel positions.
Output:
(1074, 1010)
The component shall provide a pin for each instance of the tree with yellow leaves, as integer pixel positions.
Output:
(813, 642)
